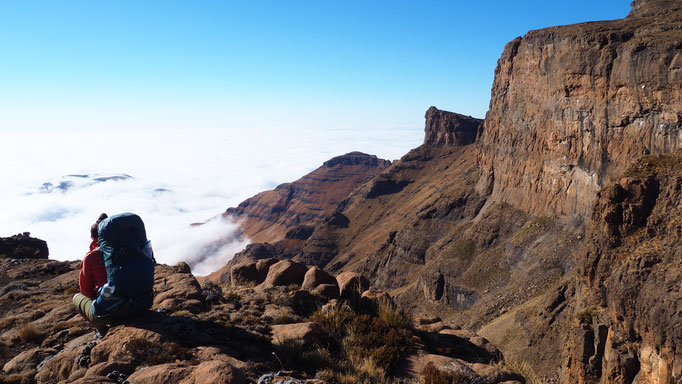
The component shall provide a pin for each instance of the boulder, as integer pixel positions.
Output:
(214, 371)
(285, 272)
(183, 267)
(244, 274)
(28, 359)
(177, 291)
(483, 346)
(424, 320)
(328, 291)
(105, 368)
(372, 298)
(351, 285)
(263, 266)
(495, 375)
(298, 332)
(316, 276)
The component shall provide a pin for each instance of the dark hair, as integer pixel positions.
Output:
(93, 229)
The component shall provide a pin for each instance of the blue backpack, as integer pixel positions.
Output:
(129, 263)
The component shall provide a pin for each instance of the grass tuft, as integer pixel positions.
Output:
(29, 333)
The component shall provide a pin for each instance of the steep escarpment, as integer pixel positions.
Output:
(267, 216)
(488, 233)
(627, 326)
(573, 106)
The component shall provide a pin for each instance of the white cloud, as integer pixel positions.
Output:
(178, 178)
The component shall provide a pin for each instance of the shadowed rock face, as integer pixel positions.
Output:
(23, 246)
(573, 106)
(270, 214)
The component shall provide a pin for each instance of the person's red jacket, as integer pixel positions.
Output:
(93, 275)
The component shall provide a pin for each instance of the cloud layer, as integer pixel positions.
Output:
(56, 184)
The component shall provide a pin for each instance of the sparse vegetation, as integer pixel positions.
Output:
(586, 314)
(522, 368)
(367, 346)
(28, 333)
(433, 375)
(142, 351)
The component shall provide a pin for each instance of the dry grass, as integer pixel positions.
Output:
(367, 347)
(432, 375)
(522, 368)
(28, 333)
(25, 377)
(142, 351)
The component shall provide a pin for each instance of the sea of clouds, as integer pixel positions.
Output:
(55, 185)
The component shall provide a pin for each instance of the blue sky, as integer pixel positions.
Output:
(69, 65)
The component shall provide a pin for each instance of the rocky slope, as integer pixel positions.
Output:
(283, 323)
(267, 216)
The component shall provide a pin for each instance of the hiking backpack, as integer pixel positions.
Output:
(127, 255)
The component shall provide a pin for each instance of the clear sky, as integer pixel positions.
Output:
(239, 64)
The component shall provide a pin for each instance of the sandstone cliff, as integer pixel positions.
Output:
(267, 216)
(573, 106)
(627, 326)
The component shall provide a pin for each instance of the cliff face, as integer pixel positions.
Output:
(573, 106)
(267, 216)
(627, 326)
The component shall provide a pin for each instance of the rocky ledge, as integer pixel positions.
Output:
(278, 322)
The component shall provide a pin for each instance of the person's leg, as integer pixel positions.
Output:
(84, 307)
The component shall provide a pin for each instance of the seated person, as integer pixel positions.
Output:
(92, 277)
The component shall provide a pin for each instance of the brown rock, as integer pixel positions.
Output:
(372, 298)
(351, 285)
(450, 129)
(214, 371)
(476, 340)
(604, 94)
(495, 375)
(329, 291)
(263, 266)
(124, 344)
(245, 274)
(423, 320)
(23, 246)
(285, 272)
(61, 367)
(316, 276)
(177, 291)
(183, 267)
(299, 332)
(104, 368)
(28, 359)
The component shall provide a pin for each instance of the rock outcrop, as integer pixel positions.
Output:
(627, 326)
(23, 246)
(268, 216)
(445, 128)
(573, 106)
